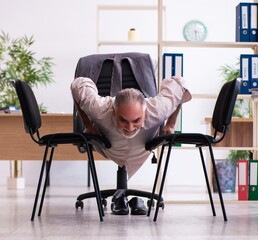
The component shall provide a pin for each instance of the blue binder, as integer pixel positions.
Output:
(242, 22)
(173, 66)
(253, 11)
(254, 71)
(245, 73)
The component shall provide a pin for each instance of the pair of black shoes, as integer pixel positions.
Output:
(120, 206)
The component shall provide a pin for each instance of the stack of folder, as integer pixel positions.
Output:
(248, 180)
(246, 22)
(173, 66)
(248, 73)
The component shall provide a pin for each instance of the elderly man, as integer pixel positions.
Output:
(129, 120)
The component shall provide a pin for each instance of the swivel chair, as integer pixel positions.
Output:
(32, 124)
(111, 73)
(221, 120)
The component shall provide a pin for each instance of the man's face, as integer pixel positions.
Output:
(129, 118)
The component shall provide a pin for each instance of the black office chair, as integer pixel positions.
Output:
(221, 120)
(32, 124)
(111, 73)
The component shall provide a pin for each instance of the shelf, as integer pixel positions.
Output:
(234, 119)
(128, 7)
(252, 45)
(128, 43)
(239, 134)
(204, 96)
(160, 43)
(214, 96)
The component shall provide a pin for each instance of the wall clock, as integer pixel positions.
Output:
(195, 30)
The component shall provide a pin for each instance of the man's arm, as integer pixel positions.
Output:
(170, 124)
(89, 125)
(84, 91)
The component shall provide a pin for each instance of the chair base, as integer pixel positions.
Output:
(121, 190)
(115, 193)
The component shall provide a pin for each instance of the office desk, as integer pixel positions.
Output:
(15, 144)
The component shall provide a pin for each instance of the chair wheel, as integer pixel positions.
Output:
(148, 203)
(162, 205)
(112, 206)
(79, 204)
(104, 202)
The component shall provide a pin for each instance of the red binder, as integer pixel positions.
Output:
(242, 179)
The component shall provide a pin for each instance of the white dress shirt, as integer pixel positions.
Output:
(126, 152)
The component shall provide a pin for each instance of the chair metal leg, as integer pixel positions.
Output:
(95, 183)
(156, 180)
(88, 174)
(46, 181)
(162, 181)
(207, 182)
(218, 184)
(39, 184)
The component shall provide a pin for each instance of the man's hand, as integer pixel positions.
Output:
(170, 124)
(167, 130)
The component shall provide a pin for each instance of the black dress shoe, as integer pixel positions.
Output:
(137, 206)
(120, 206)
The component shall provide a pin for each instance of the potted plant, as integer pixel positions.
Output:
(226, 168)
(18, 61)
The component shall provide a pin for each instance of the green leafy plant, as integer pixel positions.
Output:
(235, 155)
(18, 61)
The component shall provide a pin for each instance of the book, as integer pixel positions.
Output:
(245, 73)
(173, 66)
(242, 22)
(253, 10)
(253, 180)
(242, 179)
(253, 71)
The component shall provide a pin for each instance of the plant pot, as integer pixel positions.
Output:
(227, 176)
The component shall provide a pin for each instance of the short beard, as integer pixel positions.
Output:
(131, 136)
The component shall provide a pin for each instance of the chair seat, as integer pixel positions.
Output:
(74, 138)
(182, 138)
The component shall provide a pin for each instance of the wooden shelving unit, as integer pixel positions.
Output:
(160, 44)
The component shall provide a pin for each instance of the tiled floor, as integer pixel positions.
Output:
(187, 215)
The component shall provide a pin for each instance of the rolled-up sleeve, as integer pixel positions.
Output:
(173, 92)
(168, 88)
(80, 86)
(85, 93)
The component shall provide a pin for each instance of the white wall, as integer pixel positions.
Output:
(66, 31)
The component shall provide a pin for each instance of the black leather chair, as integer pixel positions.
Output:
(32, 123)
(111, 73)
(221, 120)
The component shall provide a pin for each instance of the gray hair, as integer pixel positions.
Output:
(130, 95)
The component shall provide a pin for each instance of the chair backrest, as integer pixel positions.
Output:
(29, 106)
(224, 106)
(101, 69)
